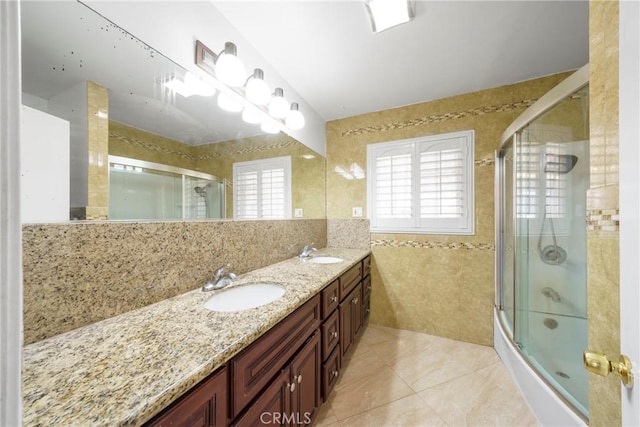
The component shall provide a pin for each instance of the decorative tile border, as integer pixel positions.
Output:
(223, 153)
(603, 220)
(434, 245)
(150, 146)
(485, 162)
(440, 117)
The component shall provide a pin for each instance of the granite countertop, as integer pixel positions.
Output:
(126, 369)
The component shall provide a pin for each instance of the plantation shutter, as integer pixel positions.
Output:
(262, 188)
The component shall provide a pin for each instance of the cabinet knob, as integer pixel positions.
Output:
(355, 300)
(369, 287)
(299, 378)
(333, 299)
(335, 373)
(334, 335)
(292, 387)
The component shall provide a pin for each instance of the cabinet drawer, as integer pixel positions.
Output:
(350, 280)
(330, 372)
(252, 369)
(330, 334)
(366, 287)
(330, 298)
(366, 266)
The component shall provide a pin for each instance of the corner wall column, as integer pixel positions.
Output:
(10, 230)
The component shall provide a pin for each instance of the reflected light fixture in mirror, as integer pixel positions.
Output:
(385, 14)
(191, 85)
(250, 94)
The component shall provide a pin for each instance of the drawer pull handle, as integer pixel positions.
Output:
(333, 299)
(292, 387)
(299, 378)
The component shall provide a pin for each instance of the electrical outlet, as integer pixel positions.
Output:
(297, 212)
(357, 212)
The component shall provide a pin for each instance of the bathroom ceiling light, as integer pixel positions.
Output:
(294, 119)
(278, 106)
(228, 104)
(229, 68)
(256, 89)
(385, 14)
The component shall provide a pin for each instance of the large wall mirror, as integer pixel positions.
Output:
(105, 136)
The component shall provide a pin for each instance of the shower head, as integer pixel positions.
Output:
(559, 163)
(202, 191)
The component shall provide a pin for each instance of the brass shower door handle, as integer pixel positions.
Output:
(599, 363)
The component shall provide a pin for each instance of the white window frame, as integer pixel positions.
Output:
(464, 225)
(260, 166)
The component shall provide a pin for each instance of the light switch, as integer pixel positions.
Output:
(357, 212)
(297, 212)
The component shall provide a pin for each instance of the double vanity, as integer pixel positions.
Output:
(187, 358)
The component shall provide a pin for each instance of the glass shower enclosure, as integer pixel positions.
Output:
(152, 191)
(543, 170)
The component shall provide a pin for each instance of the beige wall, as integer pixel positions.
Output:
(438, 284)
(603, 230)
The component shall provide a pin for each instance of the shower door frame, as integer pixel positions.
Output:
(573, 83)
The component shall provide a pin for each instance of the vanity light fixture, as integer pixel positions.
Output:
(278, 106)
(294, 119)
(229, 68)
(256, 89)
(385, 14)
(191, 85)
(250, 95)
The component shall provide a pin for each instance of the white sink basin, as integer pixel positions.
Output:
(325, 260)
(243, 297)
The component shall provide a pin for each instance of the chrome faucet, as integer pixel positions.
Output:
(306, 251)
(221, 278)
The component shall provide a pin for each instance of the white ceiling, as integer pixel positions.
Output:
(327, 52)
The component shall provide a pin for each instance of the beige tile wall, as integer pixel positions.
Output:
(80, 273)
(437, 284)
(603, 231)
(98, 142)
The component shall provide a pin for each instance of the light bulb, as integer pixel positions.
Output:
(257, 90)
(251, 116)
(278, 107)
(197, 86)
(227, 103)
(269, 127)
(294, 119)
(229, 68)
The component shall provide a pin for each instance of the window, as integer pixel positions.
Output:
(262, 188)
(422, 185)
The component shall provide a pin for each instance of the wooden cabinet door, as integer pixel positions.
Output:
(305, 371)
(356, 300)
(346, 325)
(273, 405)
(204, 406)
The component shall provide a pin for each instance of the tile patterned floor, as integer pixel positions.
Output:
(402, 378)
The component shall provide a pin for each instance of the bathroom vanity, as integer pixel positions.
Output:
(177, 362)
